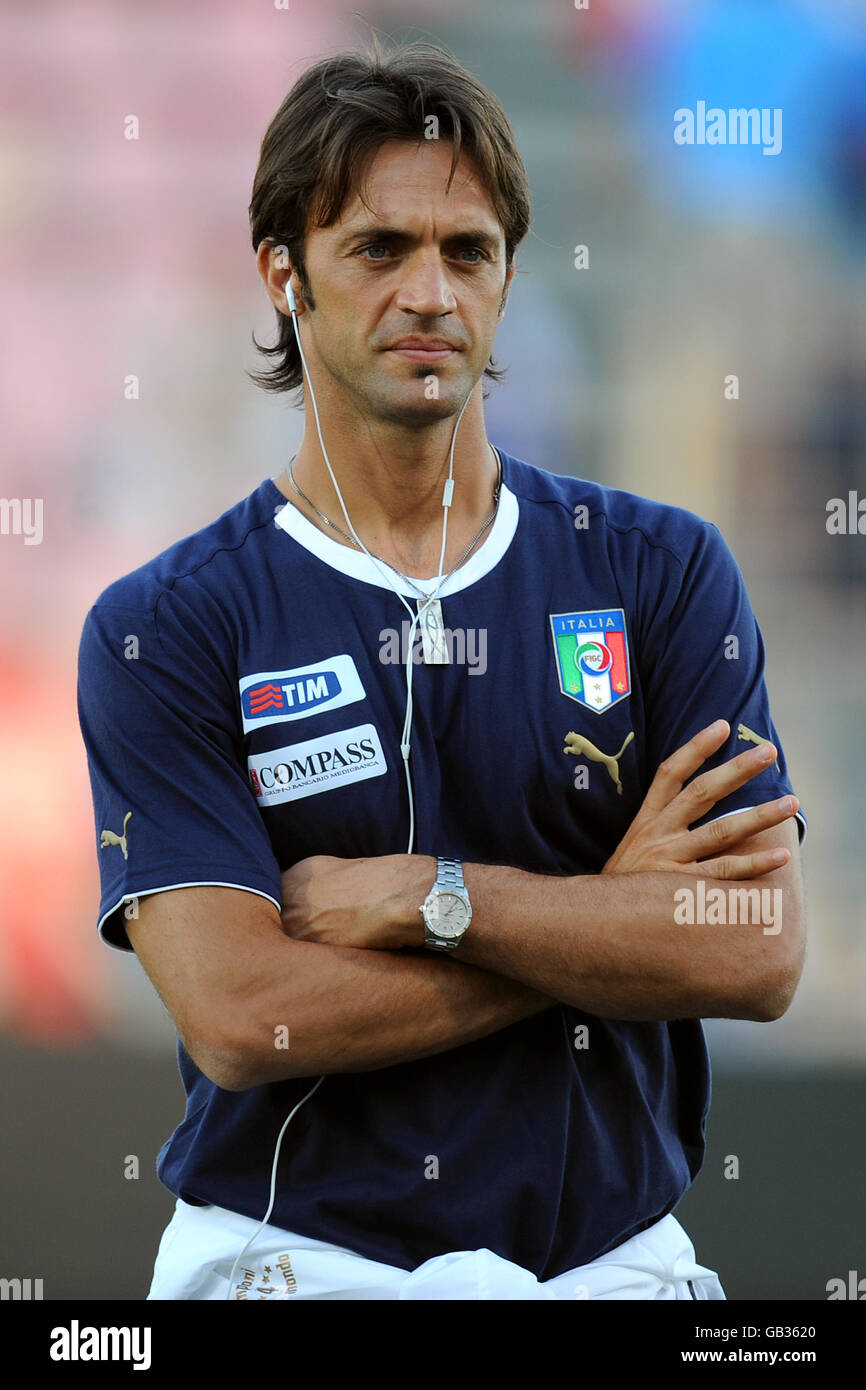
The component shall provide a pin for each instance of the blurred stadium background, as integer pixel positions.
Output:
(124, 257)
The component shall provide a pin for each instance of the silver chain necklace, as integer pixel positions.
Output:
(405, 577)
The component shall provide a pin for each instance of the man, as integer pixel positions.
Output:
(474, 1069)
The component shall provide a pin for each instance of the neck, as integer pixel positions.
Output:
(393, 487)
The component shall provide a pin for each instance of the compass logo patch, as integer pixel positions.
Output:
(592, 662)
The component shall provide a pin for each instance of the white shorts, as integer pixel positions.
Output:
(200, 1245)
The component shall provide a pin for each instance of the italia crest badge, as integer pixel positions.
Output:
(592, 657)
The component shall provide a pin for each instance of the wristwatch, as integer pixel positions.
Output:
(446, 910)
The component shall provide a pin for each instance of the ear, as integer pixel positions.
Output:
(276, 271)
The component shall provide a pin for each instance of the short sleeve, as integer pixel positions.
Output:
(172, 805)
(702, 659)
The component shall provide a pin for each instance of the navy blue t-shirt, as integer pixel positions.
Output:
(242, 698)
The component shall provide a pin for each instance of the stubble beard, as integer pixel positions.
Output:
(406, 402)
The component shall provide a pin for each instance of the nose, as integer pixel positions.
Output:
(424, 287)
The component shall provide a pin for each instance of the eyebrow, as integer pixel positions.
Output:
(375, 232)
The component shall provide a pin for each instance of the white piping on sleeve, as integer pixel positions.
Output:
(167, 888)
(798, 816)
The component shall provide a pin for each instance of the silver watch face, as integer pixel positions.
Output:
(447, 915)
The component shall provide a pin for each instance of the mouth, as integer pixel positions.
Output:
(429, 351)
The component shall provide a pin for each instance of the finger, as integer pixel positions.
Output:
(733, 829)
(744, 866)
(699, 797)
(683, 764)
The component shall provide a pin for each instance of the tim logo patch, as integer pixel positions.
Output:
(272, 697)
(591, 652)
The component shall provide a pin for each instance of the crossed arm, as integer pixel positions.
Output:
(233, 973)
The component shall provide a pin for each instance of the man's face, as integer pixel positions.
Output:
(423, 264)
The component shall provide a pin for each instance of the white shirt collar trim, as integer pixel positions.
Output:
(356, 564)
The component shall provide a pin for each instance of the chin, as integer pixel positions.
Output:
(413, 409)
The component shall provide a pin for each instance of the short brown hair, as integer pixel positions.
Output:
(331, 124)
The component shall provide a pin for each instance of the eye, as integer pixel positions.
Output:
(374, 246)
(473, 251)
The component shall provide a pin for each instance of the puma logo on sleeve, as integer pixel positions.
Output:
(749, 736)
(108, 837)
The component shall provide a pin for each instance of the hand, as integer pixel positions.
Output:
(371, 903)
(659, 838)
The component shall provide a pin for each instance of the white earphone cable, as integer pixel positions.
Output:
(415, 615)
(264, 1221)
(405, 736)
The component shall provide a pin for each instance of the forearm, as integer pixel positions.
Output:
(611, 945)
(344, 1010)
